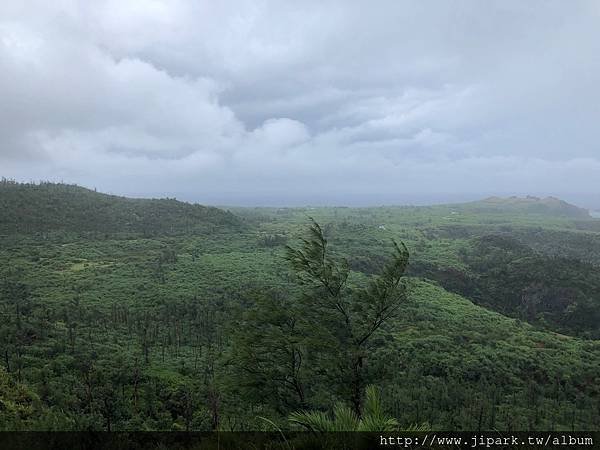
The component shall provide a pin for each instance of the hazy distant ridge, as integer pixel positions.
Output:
(533, 205)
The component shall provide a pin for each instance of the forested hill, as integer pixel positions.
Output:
(50, 207)
(550, 206)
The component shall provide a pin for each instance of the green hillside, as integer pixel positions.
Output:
(192, 329)
(49, 207)
(458, 365)
(540, 268)
(501, 272)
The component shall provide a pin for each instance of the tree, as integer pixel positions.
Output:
(350, 316)
(269, 349)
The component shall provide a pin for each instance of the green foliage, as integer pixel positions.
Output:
(49, 208)
(314, 264)
(187, 320)
(502, 273)
(374, 417)
(268, 355)
(21, 408)
(345, 419)
(350, 316)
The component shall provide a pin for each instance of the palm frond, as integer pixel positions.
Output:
(312, 420)
(417, 427)
(374, 417)
(344, 419)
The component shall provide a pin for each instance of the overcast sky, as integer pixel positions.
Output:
(304, 102)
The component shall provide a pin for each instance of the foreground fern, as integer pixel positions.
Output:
(345, 419)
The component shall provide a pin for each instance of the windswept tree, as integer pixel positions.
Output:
(350, 316)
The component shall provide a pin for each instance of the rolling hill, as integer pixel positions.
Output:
(50, 207)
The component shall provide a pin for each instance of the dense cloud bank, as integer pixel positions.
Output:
(312, 102)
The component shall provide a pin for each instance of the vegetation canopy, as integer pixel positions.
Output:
(130, 314)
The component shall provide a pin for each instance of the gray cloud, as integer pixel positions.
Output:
(311, 102)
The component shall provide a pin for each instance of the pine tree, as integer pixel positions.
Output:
(350, 316)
